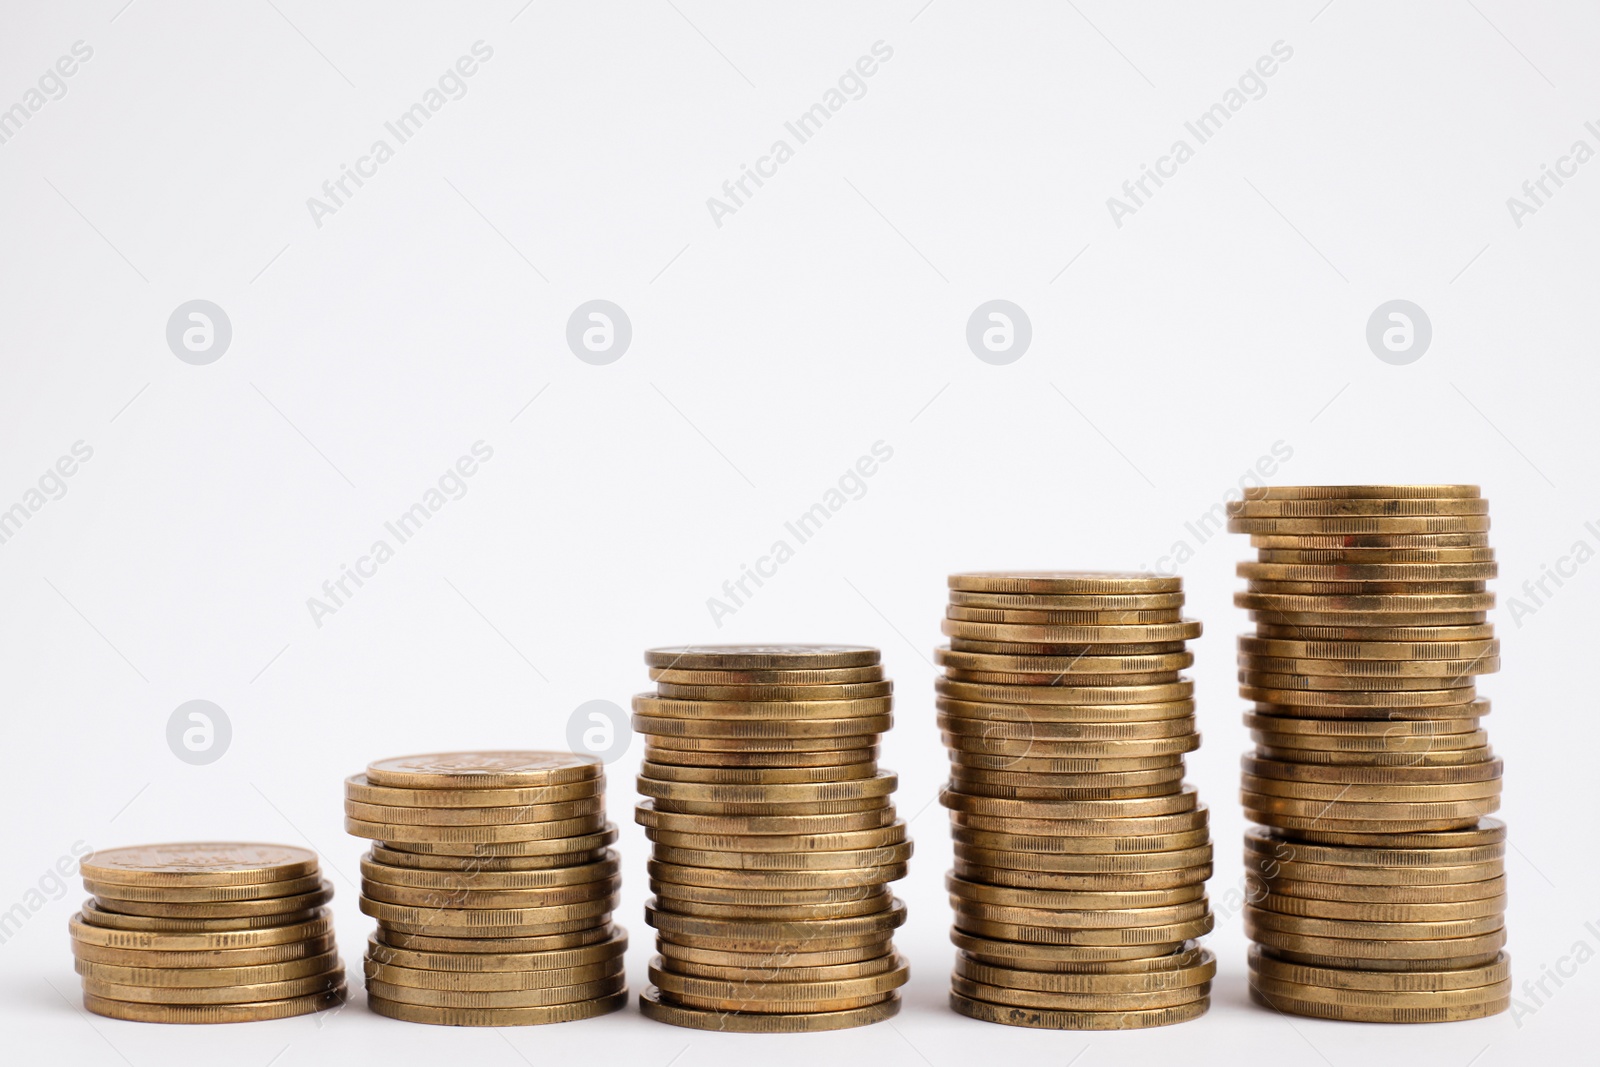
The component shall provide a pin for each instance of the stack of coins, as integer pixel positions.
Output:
(210, 932)
(1080, 854)
(1378, 891)
(774, 838)
(493, 886)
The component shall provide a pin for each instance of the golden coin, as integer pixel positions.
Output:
(1136, 864)
(112, 891)
(1369, 651)
(1106, 635)
(1380, 955)
(815, 933)
(1075, 679)
(1363, 794)
(204, 863)
(1061, 666)
(529, 855)
(1347, 1013)
(1379, 911)
(1487, 831)
(545, 981)
(1068, 650)
(759, 862)
(546, 878)
(1118, 827)
(761, 693)
(1068, 601)
(775, 732)
(1304, 683)
(88, 928)
(1068, 958)
(1419, 603)
(194, 995)
(1287, 883)
(1028, 728)
(1060, 583)
(208, 977)
(555, 1013)
(741, 775)
(823, 676)
(1368, 572)
(1070, 900)
(1369, 623)
(775, 881)
(498, 998)
(1184, 800)
(1360, 524)
(1266, 966)
(1349, 881)
(1315, 757)
(231, 909)
(1359, 507)
(357, 788)
(880, 784)
(762, 752)
(1372, 668)
(1414, 698)
(1381, 634)
(1056, 844)
(1198, 967)
(238, 957)
(1082, 1002)
(992, 780)
(1045, 1019)
(1361, 492)
(1375, 555)
(778, 991)
(1083, 883)
(1064, 766)
(1062, 617)
(1267, 587)
(412, 834)
(214, 1013)
(1065, 713)
(1086, 923)
(777, 966)
(775, 711)
(471, 949)
(1071, 933)
(963, 783)
(1403, 737)
(611, 948)
(761, 657)
(1063, 694)
(759, 849)
(484, 770)
(547, 896)
(652, 1006)
(1340, 997)
(1405, 730)
(1436, 930)
(689, 959)
(438, 917)
(511, 815)
(647, 815)
(1480, 845)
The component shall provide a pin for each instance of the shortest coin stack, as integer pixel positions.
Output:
(210, 932)
(493, 886)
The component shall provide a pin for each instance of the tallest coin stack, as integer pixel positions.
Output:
(1377, 885)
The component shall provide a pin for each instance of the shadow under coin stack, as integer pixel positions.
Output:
(493, 885)
(1080, 855)
(774, 838)
(211, 932)
(1378, 889)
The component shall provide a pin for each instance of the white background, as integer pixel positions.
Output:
(826, 314)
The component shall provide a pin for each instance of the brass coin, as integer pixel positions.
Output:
(529, 855)
(880, 784)
(1363, 794)
(1361, 524)
(1083, 1002)
(1369, 572)
(1415, 698)
(1070, 900)
(1366, 1014)
(214, 1013)
(1062, 694)
(1416, 758)
(1028, 727)
(1073, 679)
(208, 977)
(1045, 712)
(483, 770)
(1061, 666)
(1403, 652)
(516, 833)
(775, 881)
(357, 788)
(1148, 881)
(1046, 1019)
(510, 815)
(556, 1013)
(778, 991)
(112, 891)
(1379, 634)
(1059, 583)
(544, 981)
(497, 998)
(779, 966)
(653, 1006)
(1351, 589)
(1393, 540)
(1362, 492)
(646, 814)
(777, 713)
(185, 958)
(992, 780)
(1266, 966)
(1375, 555)
(776, 732)
(821, 676)
(815, 933)
(88, 929)
(1004, 741)
(1065, 765)
(1123, 827)
(233, 994)
(1306, 623)
(681, 906)
(754, 693)
(1483, 845)
(765, 862)
(1067, 958)
(1068, 601)
(611, 948)
(546, 878)
(1404, 730)
(1288, 883)
(1183, 970)
(1380, 955)
(761, 752)
(1067, 635)
(1088, 924)
(741, 775)
(547, 896)
(1067, 650)
(204, 863)
(1376, 911)
(761, 657)
(1258, 919)
(437, 918)
(1063, 617)
(1165, 938)
(1359, 507)
(230, 909)
(1486, 831)
(1055, 844)
(1185, 800)
(1370, 668)
(1337, 685)
(472, 948)
(688, 959)
(964, 783)
(1132, 864)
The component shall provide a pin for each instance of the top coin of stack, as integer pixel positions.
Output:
(1081, 855)
(493, 887)
(209, 932)
(1370, 765)
(774, 838)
